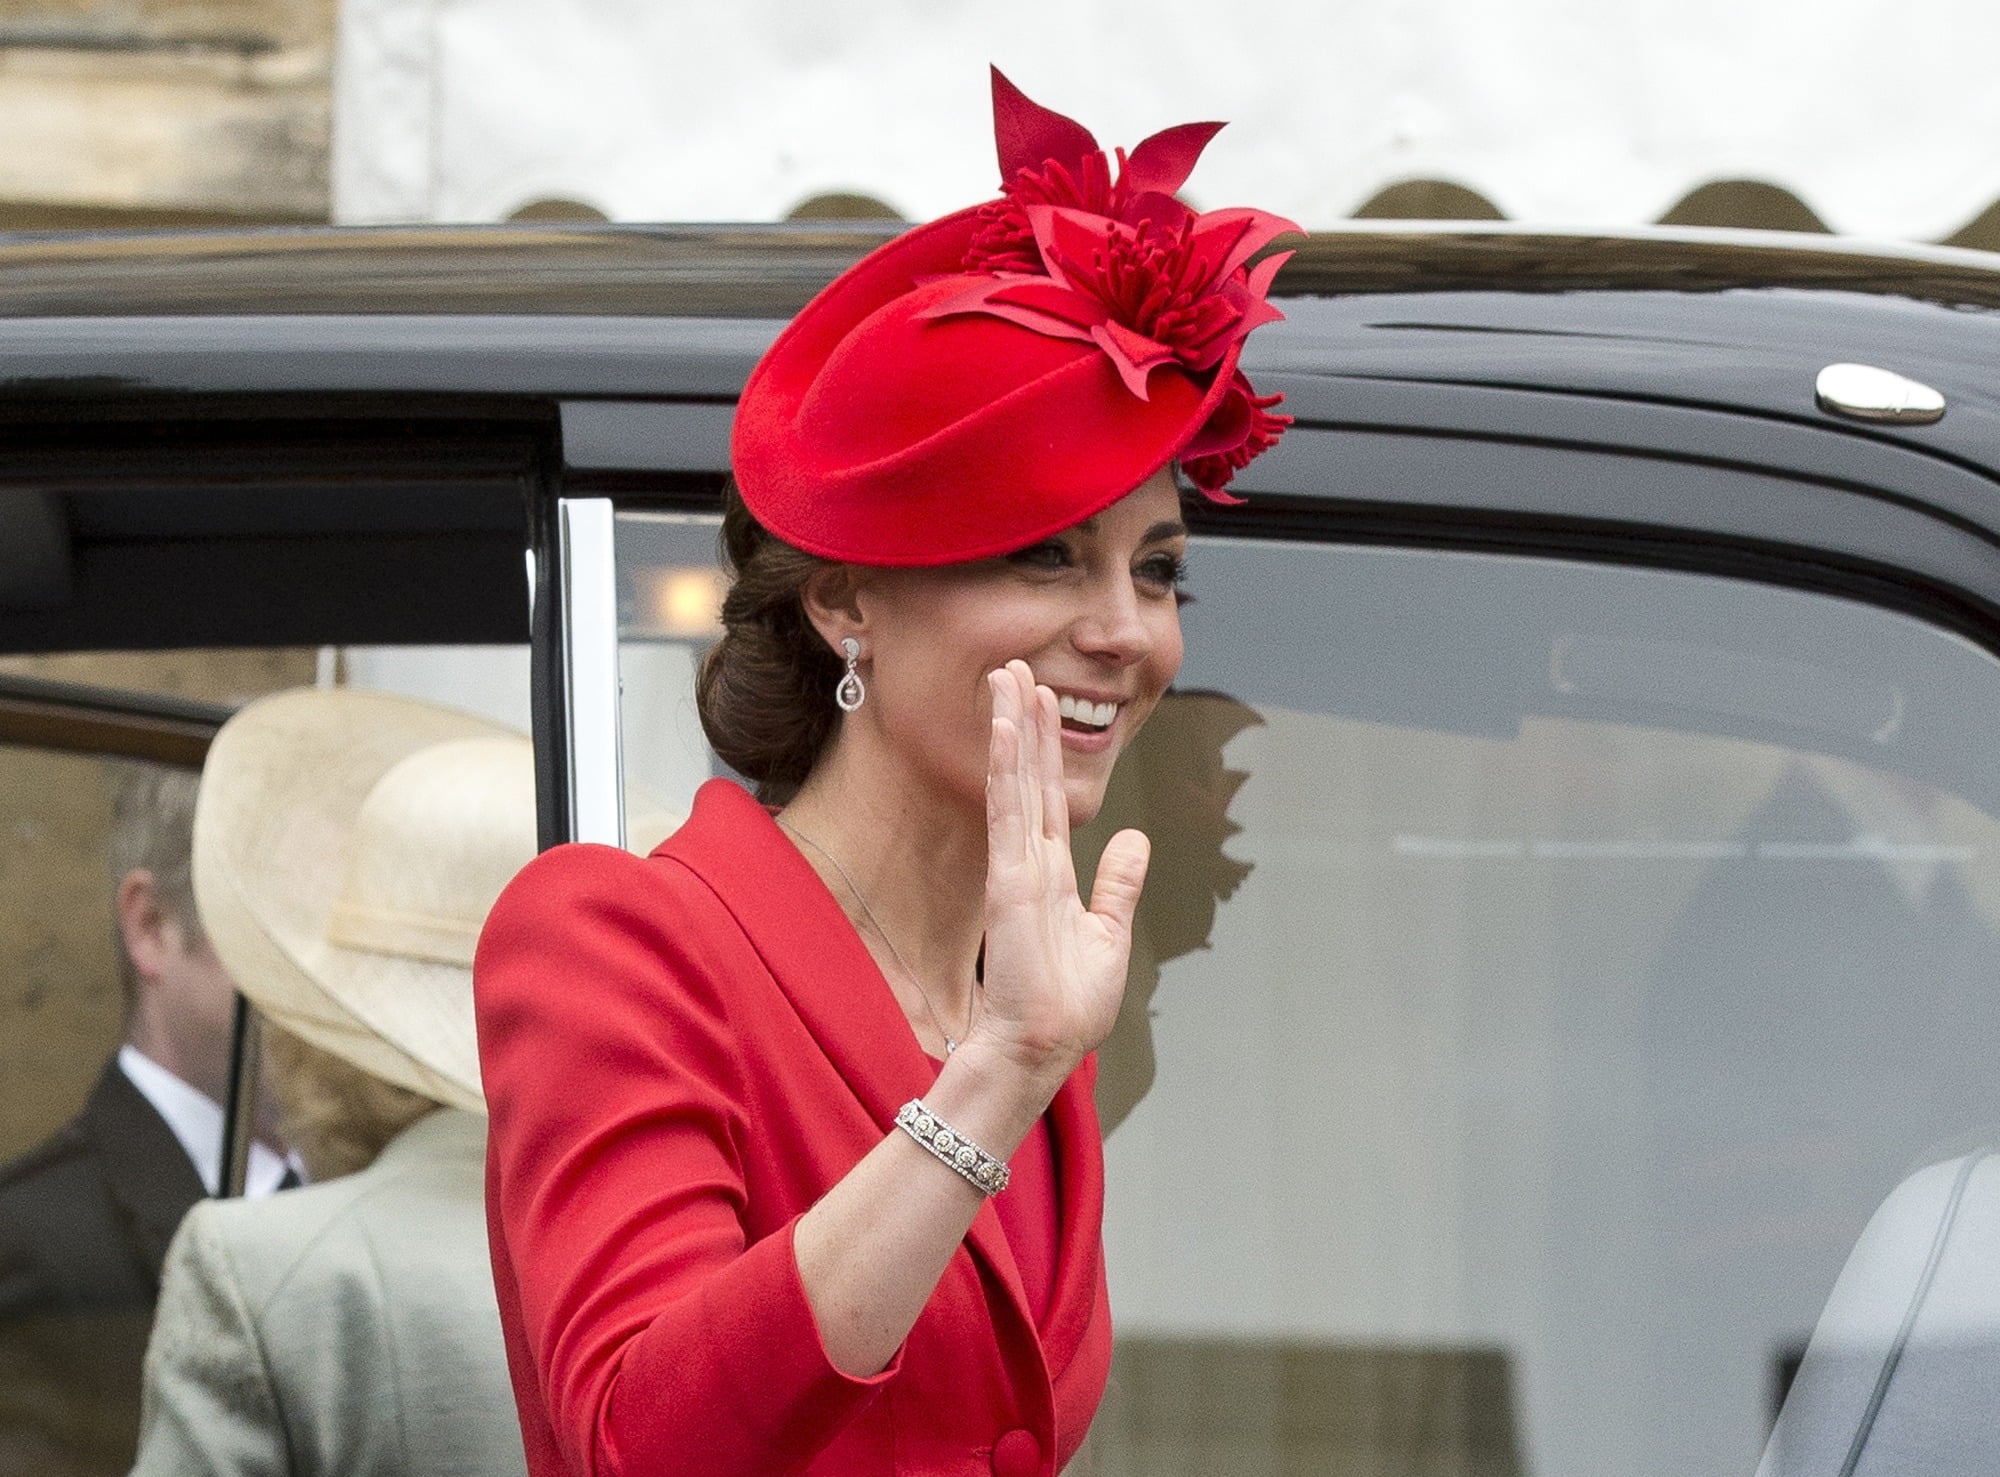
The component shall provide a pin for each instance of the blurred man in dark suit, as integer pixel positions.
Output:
(86, 1216)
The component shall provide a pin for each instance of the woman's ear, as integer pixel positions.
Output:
(832, 600)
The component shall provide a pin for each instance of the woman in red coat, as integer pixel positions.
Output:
(793, 1162)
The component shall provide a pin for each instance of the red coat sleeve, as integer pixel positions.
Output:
(660, 1337)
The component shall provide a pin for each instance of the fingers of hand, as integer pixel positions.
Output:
(1055, 801)
(1006, 821)
(1028, 705)
(1121, 876)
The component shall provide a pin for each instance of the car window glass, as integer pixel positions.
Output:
(669, 609)
(1546, 971)
(101, 1153)
(490, 682)
(204, 674)
(92, 1178)
(1593, 951)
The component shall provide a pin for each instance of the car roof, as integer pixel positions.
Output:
(1733, 320)
(257, 351)
(1737, 321)
(771, 270)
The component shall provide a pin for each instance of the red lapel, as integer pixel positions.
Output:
(821, 964)
(1079, 1154)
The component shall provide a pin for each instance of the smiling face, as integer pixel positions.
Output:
(1093, 611)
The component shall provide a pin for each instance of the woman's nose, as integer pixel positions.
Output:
(1114, 628)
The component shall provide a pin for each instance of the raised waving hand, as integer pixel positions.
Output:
(871, 1251)
(1055, 969)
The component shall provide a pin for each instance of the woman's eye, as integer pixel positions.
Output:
(1166, 571)
(1050, 555)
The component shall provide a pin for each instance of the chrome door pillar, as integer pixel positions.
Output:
(587, 632)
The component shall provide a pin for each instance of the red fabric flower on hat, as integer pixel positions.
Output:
(1004, 373)
(1072, 251)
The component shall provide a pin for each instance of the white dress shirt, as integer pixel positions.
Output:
(196, 1120)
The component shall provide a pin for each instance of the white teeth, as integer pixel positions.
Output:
(1095, 715)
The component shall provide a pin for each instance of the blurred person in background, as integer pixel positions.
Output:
(86, 1216)
(347, 849)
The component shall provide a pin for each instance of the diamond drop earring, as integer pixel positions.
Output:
(850, 694)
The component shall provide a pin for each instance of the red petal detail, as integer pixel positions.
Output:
(1076, 253)
(1226, 427)
(1256, 314)
(1264, 273)
(1047, 325)
(1219, 494)
(1163, 212)
(1163, 162)
(1029, 135)
(1070, 240)
(1240, 234)
(972, 300)
(1003, 240)
(1242, 411)
(1134, 355)
(1052, 300)
(1029, 302)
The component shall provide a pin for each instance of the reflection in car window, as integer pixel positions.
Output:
(670, 588)
(349, 848)
(1613, 943)
(1549, 970)
(114, 1038)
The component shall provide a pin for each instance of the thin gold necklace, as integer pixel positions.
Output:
(950, 1045)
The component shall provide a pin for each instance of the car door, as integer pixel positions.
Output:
(168, 558)
(1574, 908)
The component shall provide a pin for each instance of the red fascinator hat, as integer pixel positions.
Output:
(1002, 374)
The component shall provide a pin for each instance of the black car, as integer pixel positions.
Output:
(1577, 934)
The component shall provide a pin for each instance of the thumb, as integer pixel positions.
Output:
(1121, 874)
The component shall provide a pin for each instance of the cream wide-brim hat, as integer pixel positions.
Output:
(347, 848)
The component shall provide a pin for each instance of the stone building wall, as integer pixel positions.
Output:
(164, 112)
(121, 113)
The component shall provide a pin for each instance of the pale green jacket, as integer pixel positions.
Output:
(346, 1328)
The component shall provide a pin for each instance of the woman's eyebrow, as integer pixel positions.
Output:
(1171, 528)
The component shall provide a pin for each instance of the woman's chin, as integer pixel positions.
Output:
(1086, 778)
(1085, 794)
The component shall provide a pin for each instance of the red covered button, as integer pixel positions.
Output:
(1017, 1454)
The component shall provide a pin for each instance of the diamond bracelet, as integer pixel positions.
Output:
(985, 1173)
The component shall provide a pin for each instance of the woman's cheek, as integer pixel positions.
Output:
(1173, 647)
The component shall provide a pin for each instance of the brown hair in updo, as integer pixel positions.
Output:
(336, 1115)
(765, 690)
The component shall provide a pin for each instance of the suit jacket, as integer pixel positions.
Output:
(681, 1054)
(85, 1219)
(346, 1328)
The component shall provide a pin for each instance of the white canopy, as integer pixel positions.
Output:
(1882, 115)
